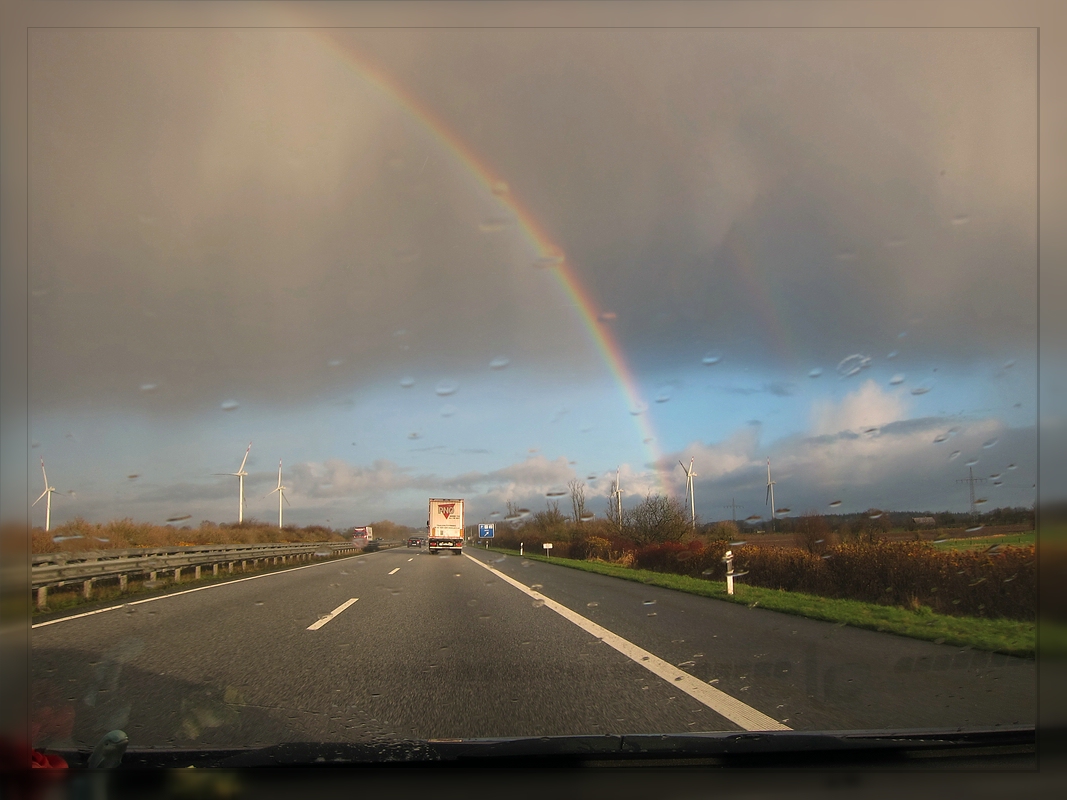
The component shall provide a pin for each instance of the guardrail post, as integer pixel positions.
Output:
(87, 589)
(152, 575)
(215, 569)
(177, 575)
(196, 573)
(244, 565)
(123, 582)
(42, 598)
(229, 567)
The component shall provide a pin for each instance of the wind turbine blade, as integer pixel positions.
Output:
(286, 499)
(680, 464)
(243, 460)
(35, 502)
(44, 475)
(768, 494)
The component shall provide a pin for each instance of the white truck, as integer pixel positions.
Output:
(445, 525)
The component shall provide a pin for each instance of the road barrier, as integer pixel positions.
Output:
(53, 570)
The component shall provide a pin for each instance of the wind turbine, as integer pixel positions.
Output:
(241, 480)
(616, 492)
(48, 492)
(770, 492)
(281, 493)
(689, 475)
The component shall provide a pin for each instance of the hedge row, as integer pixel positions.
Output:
(998, 583)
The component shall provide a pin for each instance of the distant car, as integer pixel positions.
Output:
(371, 546)
(414, 541)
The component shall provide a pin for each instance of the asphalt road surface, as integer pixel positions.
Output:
(401, 644)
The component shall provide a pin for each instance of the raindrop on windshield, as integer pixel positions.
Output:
(920, 390)
(980, 501)
(853, 364)
(974, 529)
(607, 316)
(753, 518)
(835, 503)
(648, 602)
(892, 355)
(592, 476)
(593, 604)
(815, 373)
(133, 477)
(897, 379)
(972, 462)
(414, 435)
(995, 475)
(179, 518)
(941, 437)
(990, 442)
(639, 409)
(229, 405)
(738, 543)
(556, 492)
(1009, 363)
(663, 395)
(954, 455)
(335, 362)
(1012, 466)
(785, 510)
(446, 388)
(494, 514)
(875, 513)
(407, 382)
(524, 511)
(960, 219)
(149, 387)
(448, 411)
(710, 359)
(500, 362)
(586, 516)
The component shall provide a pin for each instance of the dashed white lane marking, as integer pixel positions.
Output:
(412, 558)
(718, 701)
(394, 571)
(316, 625)
(184, 591)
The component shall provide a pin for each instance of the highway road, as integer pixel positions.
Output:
(401, 644)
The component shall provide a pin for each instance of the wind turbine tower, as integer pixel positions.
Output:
(281, 493)
(770, 493)
(616, 493)
(47, 493)
(240, 474)
(689, 475)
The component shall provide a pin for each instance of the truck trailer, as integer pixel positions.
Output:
(444, 525)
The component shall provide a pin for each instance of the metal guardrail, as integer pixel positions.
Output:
(59, 569)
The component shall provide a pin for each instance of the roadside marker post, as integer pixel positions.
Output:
(729, 559)
(520, 548)
(548, 549)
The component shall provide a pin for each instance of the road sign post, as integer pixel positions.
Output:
(548, 549)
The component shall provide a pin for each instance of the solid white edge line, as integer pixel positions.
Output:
(717, 700)
(184, 591)
(316, 625)
(394, 571)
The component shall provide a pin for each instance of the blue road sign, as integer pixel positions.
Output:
(486, 530)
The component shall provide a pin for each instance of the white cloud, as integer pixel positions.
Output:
(869, 406)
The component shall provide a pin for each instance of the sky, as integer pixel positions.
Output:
(418, 263)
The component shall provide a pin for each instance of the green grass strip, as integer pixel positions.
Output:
(997, 635)
(984, 542)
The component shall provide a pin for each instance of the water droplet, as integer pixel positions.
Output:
(980, 501)
(815, 373)
(1012, 466)
(607, 316)
(500, 188)
(650, 614)
(538, 603)
(990, 442)
(335, 362)
(974, 529)
(407, 382)
(782, 510)
(494, 224)
(494, 514)
(414, 435)
(639, 409)
(149, 387)
(523, 512)
(960, 219)
(592, 604)
(448, 411)
(500, 362)
(853, 364)
(753, 518)
(230, 405)
(941, 437)
(1009, 363)
(664, 394)
(445, 388)
(972, 462)
(998, 483)
(892, 355)
(920, 390)
(133, 477)
(995, 475)
(954, 455)
(875, 513)
(179, 518)
(260, 602)
(738, 543)
(835, 503)
(586, 516)
(648, 602)
(556, 492)
(897, 379)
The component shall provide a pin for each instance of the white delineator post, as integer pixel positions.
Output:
(729, 559)
(520, 548)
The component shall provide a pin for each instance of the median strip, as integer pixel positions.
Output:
(718, 701)
(316, 625)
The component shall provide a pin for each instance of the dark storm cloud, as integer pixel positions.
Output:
(236, 215)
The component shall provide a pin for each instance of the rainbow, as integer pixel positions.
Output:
(562, 269)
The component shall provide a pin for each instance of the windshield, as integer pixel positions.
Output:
(425, 383)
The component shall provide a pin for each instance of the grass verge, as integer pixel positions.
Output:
(984, 542)
(997, 635)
